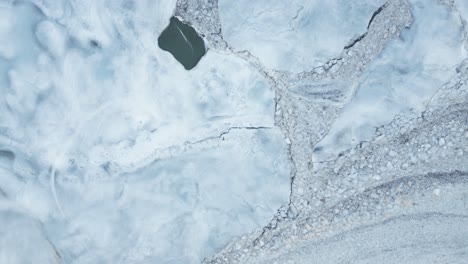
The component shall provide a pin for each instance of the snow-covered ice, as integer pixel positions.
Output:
(308, 127)
(294, 35)
(403, 78)
(112, 152)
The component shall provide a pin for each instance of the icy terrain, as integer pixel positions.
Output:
(310, 132)
(403, 77)
(378, 138)
(111, 152)
(294, 35)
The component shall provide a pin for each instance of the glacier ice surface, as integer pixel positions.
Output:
(402, 79)
(294, 35)
(112, 152)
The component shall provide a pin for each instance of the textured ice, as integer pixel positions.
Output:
(403, 78)
(294, 35)
(387, 180)
(22, 240)
(177, 210)
(462, 8)
(111, 152)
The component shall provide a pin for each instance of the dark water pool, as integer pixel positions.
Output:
(183, 42)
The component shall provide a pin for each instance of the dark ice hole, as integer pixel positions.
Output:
(183, 42)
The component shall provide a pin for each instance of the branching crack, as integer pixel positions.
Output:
(376, 13)
(239, 128)
(355, 41)
(295, 17)
(220, 136)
